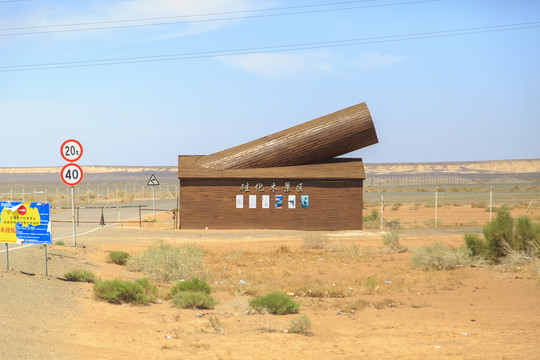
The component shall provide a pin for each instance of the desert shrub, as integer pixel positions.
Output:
(116, 291)
(527, 235)
(371, 284)
(391, 242)
(275, 303)
(431, 223)
(167, 263)
(119, 257)
(372, 216)
(194, 300)
(315, 240)
(300, 325)
(476, 245)
(504, 237)
(193, 285)
(392, 224)
(371, 220)
(284, 249)
(479, 205)
(352, 252)
(60, 243)
(395, 207)
(497, 233)
(439, 256)
(80, 276)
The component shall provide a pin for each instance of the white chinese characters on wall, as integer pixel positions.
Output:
(278, 199)
(259, 187)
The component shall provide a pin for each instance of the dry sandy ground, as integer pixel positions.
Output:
(366, 304)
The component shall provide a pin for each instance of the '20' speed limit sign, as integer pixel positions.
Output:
(72, 174)
(71, 150)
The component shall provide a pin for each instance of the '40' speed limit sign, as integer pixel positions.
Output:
(72, 174)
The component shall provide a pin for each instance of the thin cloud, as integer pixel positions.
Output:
(58, 13)
(277, 65)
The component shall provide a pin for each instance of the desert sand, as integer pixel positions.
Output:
(363, 302)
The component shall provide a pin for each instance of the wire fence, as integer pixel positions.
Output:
(408, 201)
(387, 210)
(61, 196)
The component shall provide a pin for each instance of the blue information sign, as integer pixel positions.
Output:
(25, 222)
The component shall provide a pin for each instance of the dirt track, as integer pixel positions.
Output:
(472, 313)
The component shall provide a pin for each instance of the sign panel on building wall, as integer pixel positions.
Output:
(25, 222)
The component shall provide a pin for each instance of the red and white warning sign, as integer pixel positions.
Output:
(71, 150)
(72, 174)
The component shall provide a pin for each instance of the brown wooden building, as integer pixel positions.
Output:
(288, 180)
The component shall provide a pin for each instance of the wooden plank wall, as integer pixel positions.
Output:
(333, 205)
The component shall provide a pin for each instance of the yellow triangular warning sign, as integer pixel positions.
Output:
(153, 181)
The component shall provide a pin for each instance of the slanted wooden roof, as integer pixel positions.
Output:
(314, 141)
(333, 169)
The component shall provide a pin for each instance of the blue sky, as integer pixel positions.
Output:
(433, 97)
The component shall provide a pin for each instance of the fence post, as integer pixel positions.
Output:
(140, 220)
(436, 204)
(382, 211)
(490, 201)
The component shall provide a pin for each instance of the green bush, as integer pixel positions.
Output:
(527, 235)
(300, 325)
(167, 263)
(438, 256)
(275, 303)
(315, 240)
(498, 233)
(371, 220)
(193, 285)
(194, 300)
(119, 257)
(60, 243)
(504, 236)
(373, 216)
(80, 276)
(476, 245)
(116, 291)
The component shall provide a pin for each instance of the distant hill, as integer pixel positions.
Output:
(168, 174)
(497, 167)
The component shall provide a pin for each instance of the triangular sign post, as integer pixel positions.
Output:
(153, 181)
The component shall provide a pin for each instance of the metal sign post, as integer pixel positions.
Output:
(7, 257)
(46, 269)
(153, 182)
(72, 217)
(72, 174)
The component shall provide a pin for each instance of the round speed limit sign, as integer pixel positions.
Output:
(72, 174)
(71, 150)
